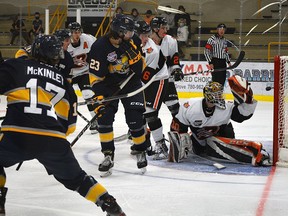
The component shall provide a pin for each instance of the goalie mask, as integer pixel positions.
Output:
(213, 93)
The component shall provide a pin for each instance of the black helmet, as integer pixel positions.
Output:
(75, 26)
(142, 27)
(157, 22)
(122, 23)
(47, 49)
(221, 25)
(62, 34)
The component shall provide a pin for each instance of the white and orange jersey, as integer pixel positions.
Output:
(155, 59)
(169, 48)
(80, 54)
(192, 114)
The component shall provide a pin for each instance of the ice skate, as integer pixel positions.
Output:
(149, 149)
(94, 127)
(265, 160)
(3, 192)
(105, 167)
(110, 206)
(141, 161)
(161, 150)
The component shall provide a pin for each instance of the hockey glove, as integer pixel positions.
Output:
(130, 49)
(178, 74)
(99, 108)
(147, 74)
(240, 89)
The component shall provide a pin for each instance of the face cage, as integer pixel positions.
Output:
(216, 98)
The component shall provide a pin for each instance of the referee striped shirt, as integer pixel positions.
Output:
(216, 47)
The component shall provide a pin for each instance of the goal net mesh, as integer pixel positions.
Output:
(280, 133)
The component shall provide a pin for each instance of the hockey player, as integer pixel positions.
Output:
(79, 49)
(155, 93)
(168, 46)
(40, 114)
(119, 57)
(66, 64)
(209, 119)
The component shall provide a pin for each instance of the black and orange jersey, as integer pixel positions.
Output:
(109, 66)
(39, 99)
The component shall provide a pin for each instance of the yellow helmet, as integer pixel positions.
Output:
(213, 93)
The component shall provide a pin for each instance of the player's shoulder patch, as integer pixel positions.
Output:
(112, 56)
(186, 105)
(149, 50)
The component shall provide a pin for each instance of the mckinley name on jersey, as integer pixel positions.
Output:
(37, 93)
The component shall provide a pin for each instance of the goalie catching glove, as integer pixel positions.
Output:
(240, 89)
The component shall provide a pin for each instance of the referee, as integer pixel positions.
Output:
(216, 54)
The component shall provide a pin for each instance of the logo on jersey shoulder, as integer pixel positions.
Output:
(85, 45)
(149, 50)
(197, 123)
(112, 57)
(186, 105)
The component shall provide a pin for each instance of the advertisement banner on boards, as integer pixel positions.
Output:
(89, 8)
(260, 75)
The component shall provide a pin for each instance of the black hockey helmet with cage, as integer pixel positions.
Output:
(62, 34)
(157, 22)
(75, 26)
(142, 27)
(47, 49)
(213, 93)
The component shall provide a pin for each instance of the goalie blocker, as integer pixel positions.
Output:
(232, 150)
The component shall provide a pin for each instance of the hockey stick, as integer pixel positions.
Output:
(209, 162)
(168, 9)
(236, 63)
(121, 138)
(82, 116)
(117, 97)
(108, 99)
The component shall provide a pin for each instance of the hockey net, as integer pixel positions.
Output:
(280, 128)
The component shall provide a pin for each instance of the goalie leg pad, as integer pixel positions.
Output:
(180, 145)
(218, 148)
(238, 150)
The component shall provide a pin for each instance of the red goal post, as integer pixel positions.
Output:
(280, 118)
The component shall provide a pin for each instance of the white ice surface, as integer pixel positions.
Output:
(161, 191)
